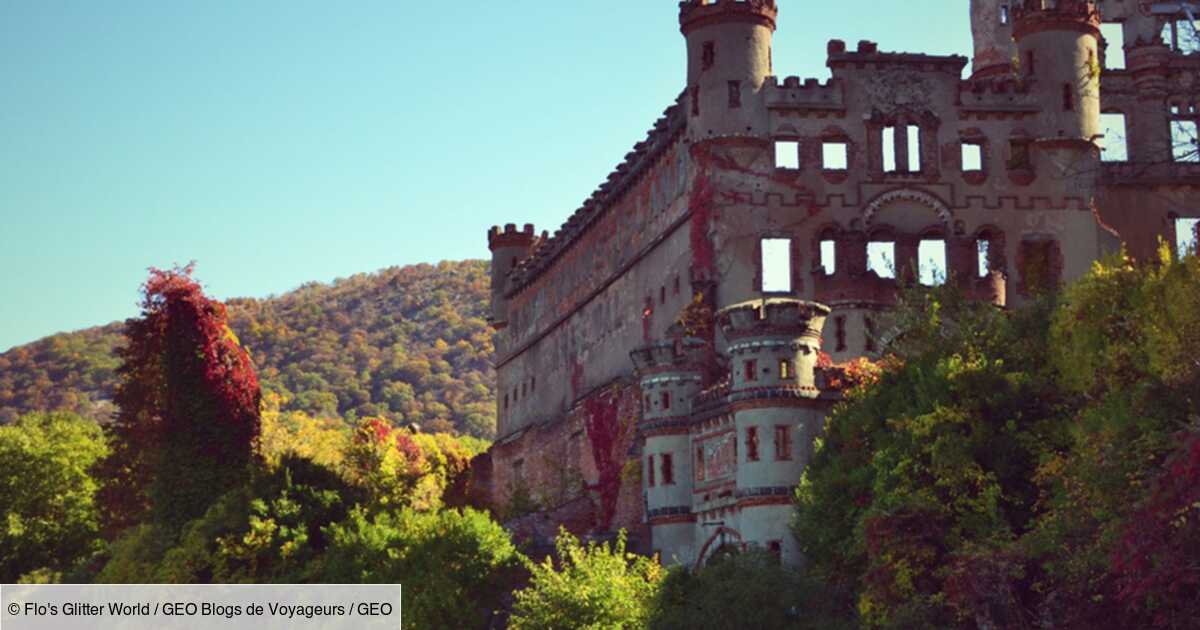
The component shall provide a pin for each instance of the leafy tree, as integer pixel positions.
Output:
(595, 586)
(455, 565)
(48, 492)
(750, 589)
(189, 406)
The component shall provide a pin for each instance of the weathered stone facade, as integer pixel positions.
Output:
(751, 231)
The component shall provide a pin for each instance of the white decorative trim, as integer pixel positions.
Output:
(908, 194)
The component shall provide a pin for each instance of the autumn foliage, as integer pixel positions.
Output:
(188, 403)
(606, 432)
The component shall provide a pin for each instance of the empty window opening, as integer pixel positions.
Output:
(751, 444)
(785, 369)
(869, 324)
(972, 157)
(1068, 98)
(1019, 159)
(700, 463)
(983, 251)
(735, 94)
(776, 265)
(881, 258)
(776, 549)
(889, 149)
(783, 443)
(1029, 61)
(931, 262)
(666, 400)
(1181, 36)
(1113, 34)
(1183, 141)
(828, 256)
(834, 155)
(1004, 14)
(750, 370)
(675, 289)
(650, 471)
(787, 154)
(519, 470)
(1114, 148)
(1185, 236)
(662, 295)
(695, 98)
(708, 56)
(668, 469)
(532, 384)
(914, 148)
(506, 402)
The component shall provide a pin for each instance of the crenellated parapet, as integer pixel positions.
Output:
(868, 57)
(1000, 96)
(807, 94)
(510, 236)
(1034, 16)
(695, 14)
(773, 343)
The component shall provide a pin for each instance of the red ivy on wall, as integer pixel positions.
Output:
(606, 432)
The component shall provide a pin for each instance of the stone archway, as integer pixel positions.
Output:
(910, 195)
(720, 539)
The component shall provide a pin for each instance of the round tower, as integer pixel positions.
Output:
(1058, 44)
(778, 410)
(671, 373)
(991, 29)
(729, 59)
(509, 247)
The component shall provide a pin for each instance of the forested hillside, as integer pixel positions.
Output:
(408, 343)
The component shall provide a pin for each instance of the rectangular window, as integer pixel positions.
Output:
(1113, 34)
(881, 258)
(787, 154)
(695, 98)
(931, 262)
(1183, 141)
(668, 469)
(914, 148)
(532, 383)
(1114, 148)
(506, 402)
(1181, 36)
(1004, 14)
(650, 471)
(889, 149)
(666, 400)
(972, 157)
(776, 549)
(834, 155)
(751, 370)
(1185, 236)
(735, 94)
(675, 290)
(785, 369)
(700, 463)
(841, 332)
(662, 295)
(783, 443)
(982, 247)
(751, 444)
(776, 264)
(519, 470)
(829, 257)
(1068, 98)
(869, 324)
(1029, 67)
(1019, 151)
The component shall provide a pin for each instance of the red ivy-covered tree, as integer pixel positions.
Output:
(188, 400)
(606, 433)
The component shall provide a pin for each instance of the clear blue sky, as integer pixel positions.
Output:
(281, 142)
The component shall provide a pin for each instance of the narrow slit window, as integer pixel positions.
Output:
(914, 148)
(1113, 34)
(750, 370)
(1183, 141)
(787, 154)
(735, 94)
(1185, 236)
(841, 333)
(662, 295)
(834, 155)
(668, 469)
(1004, 14)
(785, 369)
(700, 463)
(983, 252)
(870, 344)
(881, 258)
(828, 257)
(776, 265)
(783, 443)
(972, 157)
(650, 471)
(889, 149)
(666, 400)
(931, 262)
(1068, 98)
(1114, 148)
(751, 444)
(1029, 67)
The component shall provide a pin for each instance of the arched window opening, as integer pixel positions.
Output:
(881, 258)
(931, 262)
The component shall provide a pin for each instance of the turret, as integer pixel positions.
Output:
(671, 373)
(509, 247)
(778, 410)
(729, 59)
(991, 28)
(1058, 43)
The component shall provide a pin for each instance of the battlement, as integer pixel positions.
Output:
(998, 94)
(809, 94)
(1035, 16)
(868, 52)
(510, 236)
(773, 318)
(694, 14)
(643, 156)
(683, 355)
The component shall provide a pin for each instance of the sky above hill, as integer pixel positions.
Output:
(281, 142)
